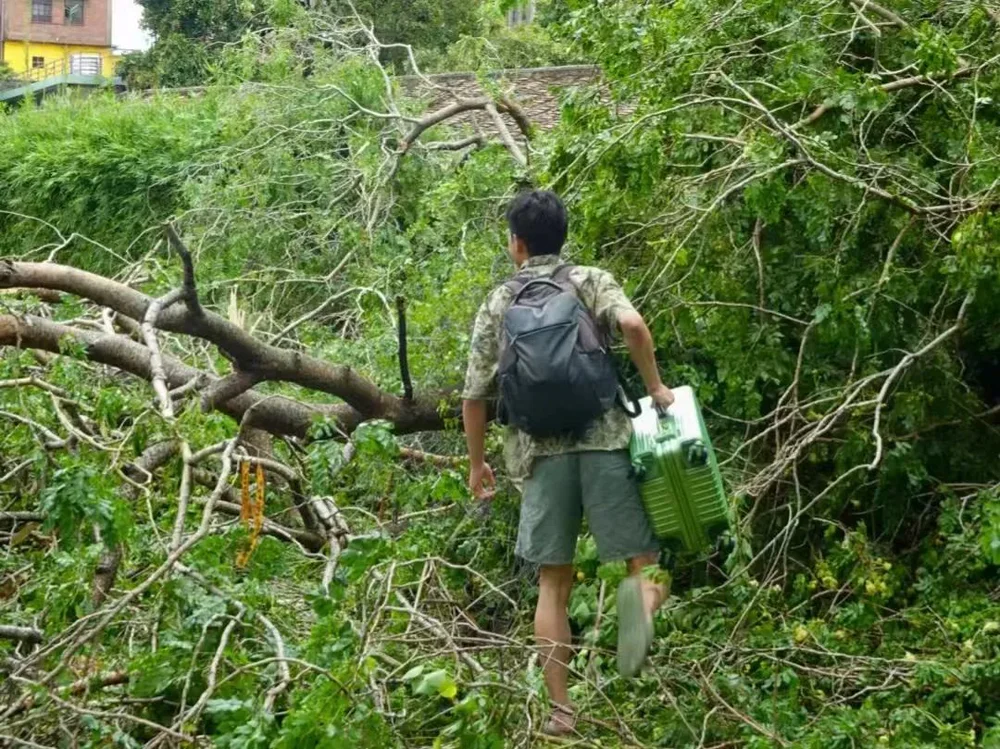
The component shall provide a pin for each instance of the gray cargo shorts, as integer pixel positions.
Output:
(562, 488)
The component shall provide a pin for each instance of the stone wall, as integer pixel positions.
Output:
(534, 89)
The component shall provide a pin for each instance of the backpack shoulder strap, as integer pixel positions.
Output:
(517, 282)
(561, 273)
(561, 276)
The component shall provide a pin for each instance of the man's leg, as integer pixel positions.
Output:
(551, 513)
(654, 594)
(552, 631)
(623, 533)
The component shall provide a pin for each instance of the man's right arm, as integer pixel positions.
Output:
(481, 480)
(480, 388)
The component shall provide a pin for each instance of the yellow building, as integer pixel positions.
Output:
(39, 38)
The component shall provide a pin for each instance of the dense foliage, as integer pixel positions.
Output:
(448, 35)
(801, 197)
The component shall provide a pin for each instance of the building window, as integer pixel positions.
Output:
(41, 11)
(37, 63)
(85, 64)
(521, 15)
(74, 12)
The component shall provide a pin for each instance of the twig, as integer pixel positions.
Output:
(35, 382)
(898, 370)
(122, 716)
(21, 517)
(322, 307)
(52, 440)
(286, 678)
(13, 472)
(337, 533)
(87, 636)
(15, 741)
(412, 455)
(190, 286)
(438, 629)
(404, 361)
(758, 230)
(455, 145)
(742, 716)
(886, 14)
(897, 85)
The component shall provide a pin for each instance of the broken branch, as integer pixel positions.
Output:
(404, 362)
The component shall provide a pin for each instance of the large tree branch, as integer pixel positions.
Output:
(275, 414)
(29, 635)
(248, 354)
(462, 106)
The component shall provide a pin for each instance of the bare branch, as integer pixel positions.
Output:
(898, 370)
(469, 105)
(505, 135)
(139, 473)
(16, 516)
(411, 455)
(30, 635)
(275, 414)
(190, 286)
(155, 360)
(455, 145)
(885, 13)
(228, 388)
(248, 354)
(404, 361)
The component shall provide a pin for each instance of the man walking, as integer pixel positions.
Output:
(539, 346)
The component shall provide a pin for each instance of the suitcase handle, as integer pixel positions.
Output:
(668, 425)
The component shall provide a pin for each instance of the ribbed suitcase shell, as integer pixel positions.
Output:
(678, 474)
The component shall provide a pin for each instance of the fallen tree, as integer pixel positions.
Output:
(244, 496)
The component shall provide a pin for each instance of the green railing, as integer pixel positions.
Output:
(89, 65)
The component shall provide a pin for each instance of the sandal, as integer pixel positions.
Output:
(561, 723)
(635, 627)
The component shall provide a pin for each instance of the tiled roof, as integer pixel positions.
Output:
(534, 89)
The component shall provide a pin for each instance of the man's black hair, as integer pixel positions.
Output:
(539, 218)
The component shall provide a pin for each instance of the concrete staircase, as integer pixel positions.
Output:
(55, 77)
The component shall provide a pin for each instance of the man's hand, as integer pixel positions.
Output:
(482, 483)
(663, 397)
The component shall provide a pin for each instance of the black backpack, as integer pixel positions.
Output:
(556, 374)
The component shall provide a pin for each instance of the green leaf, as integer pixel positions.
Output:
(437, 682)
(413, 673)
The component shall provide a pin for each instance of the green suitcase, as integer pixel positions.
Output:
(678, 475)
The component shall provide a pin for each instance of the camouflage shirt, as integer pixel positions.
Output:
(605, 299)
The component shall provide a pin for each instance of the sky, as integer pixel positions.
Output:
(126, 33)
